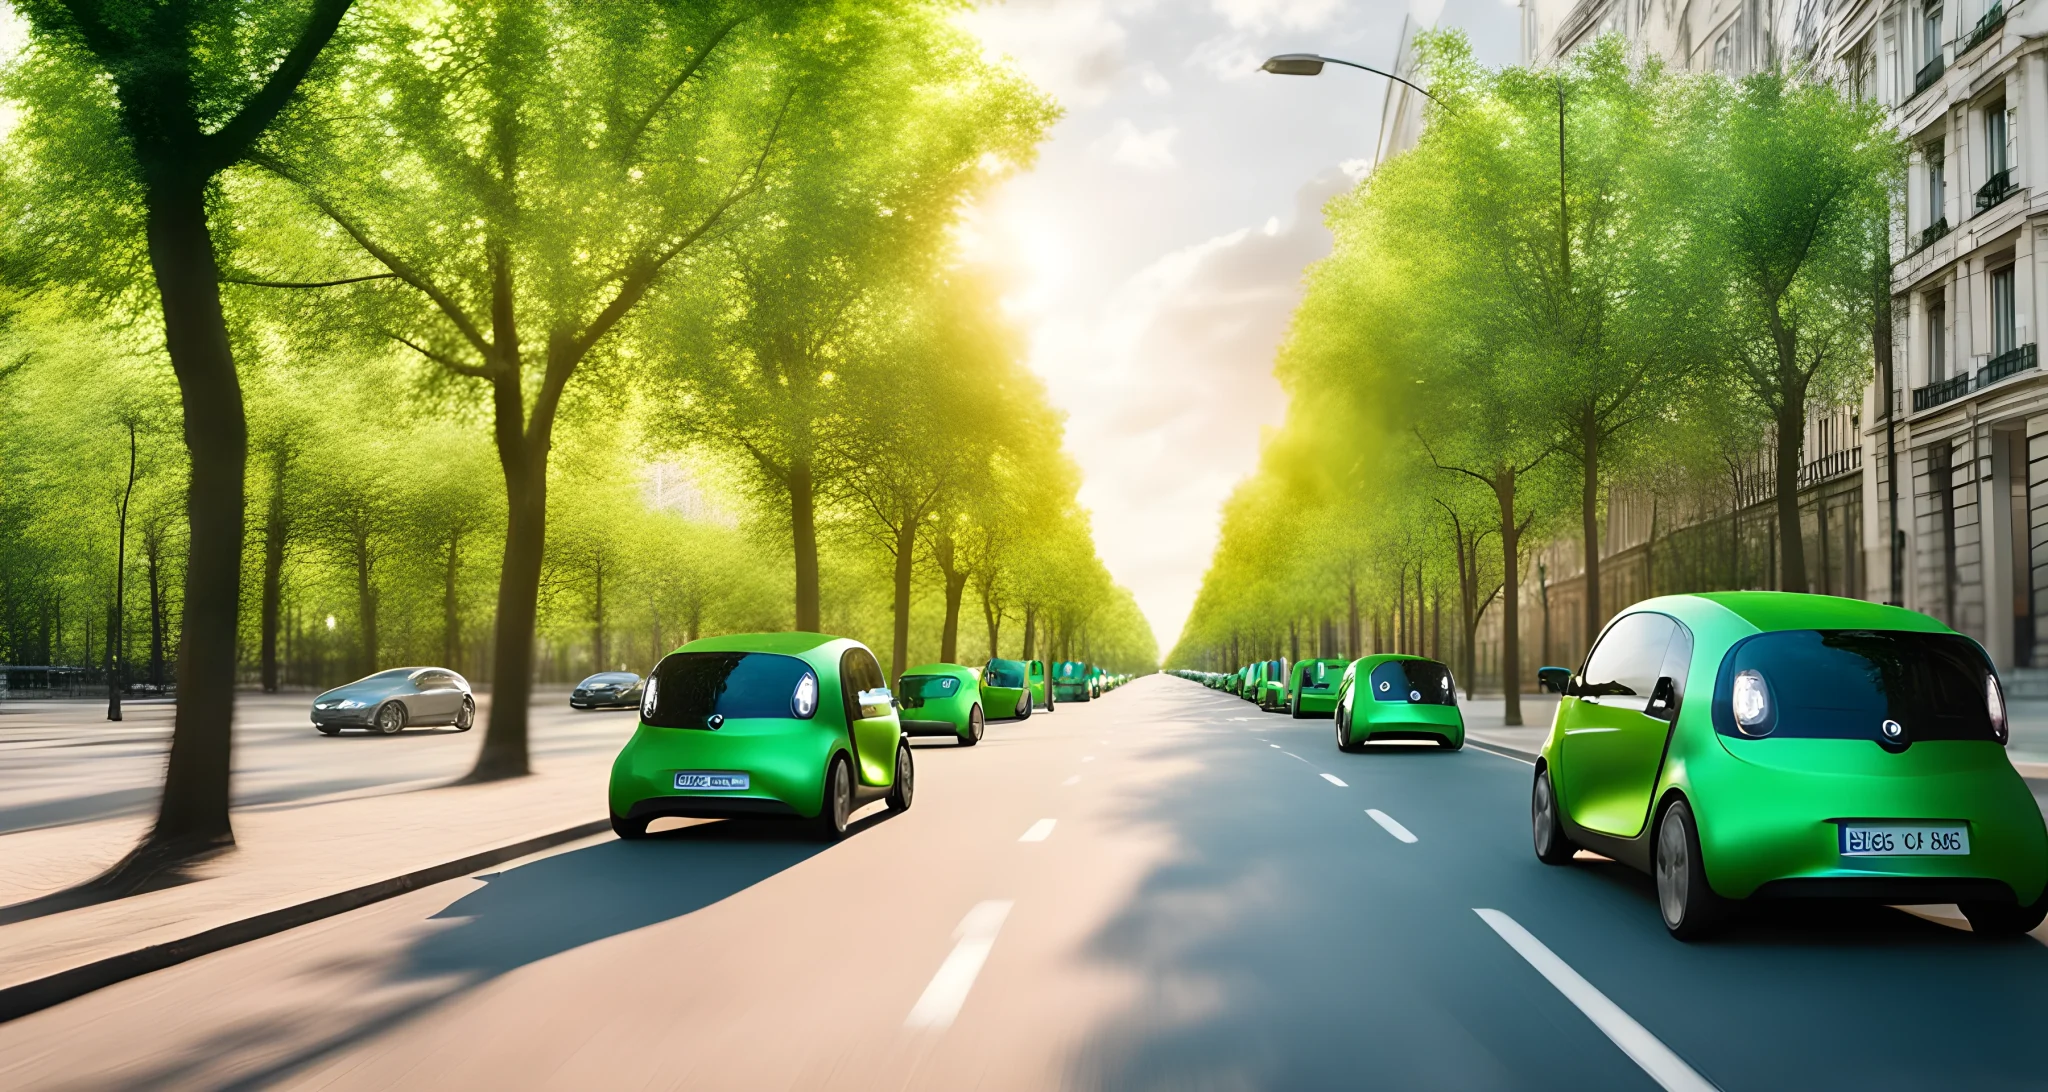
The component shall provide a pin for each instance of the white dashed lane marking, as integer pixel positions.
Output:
(1335, 780)
(1390, 825)
(1039, 831)
(1074, 780)
(942, 999)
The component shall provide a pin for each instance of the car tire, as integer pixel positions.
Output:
(1553, 846)
(1451, 746)
(631, 830)
(977, 725)
(1344, 741)
(1024, 706)
(1294, 709)
(390, 718)
(835, 809)
(1690, 908)
(903, 789)
(328, 729)
(465, 717)
(1998, 919)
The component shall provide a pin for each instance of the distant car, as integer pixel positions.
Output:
(1006, 689)
(391, 701)
(791, 725)
(1272, 692)
(1071, 681)
(1741, 745)
(607, 690)
(942, 700)
(1312, 687)
(1392, 696)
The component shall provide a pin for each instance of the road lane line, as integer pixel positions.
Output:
(942, 999)
(1039, 831)
(1296, 757)
(1275, 746)
(1388, 823)
(1663, 1066)
(1335, 780)
(1074, 780)
(1499, 752)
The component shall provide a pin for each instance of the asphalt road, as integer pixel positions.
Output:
(63, 762)
(1165, 889)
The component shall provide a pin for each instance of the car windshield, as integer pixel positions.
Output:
(1845, 684)
(1007, 673)
(918, 688)
(1418, 682)
(612, 678)
(1320, 674)
(687, 687)
(396, 674)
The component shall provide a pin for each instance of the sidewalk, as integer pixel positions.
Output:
(1484, 716)
(324, 848)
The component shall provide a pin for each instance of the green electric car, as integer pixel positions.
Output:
(1312, 687)
(1752, 745)
(1071, 681)
(1013, 688)
(792, 725)
(942, 700)
(1272, 692)
(1397, 697)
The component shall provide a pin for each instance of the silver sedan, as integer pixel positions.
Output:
(391, 701)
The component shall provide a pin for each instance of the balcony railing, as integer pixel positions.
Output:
(1995, 189)
(1985, 28)
(1929, 234)
(1832, 465)
(1934, 394)
(1929, 72)
(2009, 363)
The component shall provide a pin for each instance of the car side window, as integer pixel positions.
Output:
(1626, 663)
(858, 671)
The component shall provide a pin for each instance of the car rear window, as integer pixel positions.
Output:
(1007, 673)
(611, 677)
(917, 688)
(1417, 682)
(1844, 684)
(687, 687)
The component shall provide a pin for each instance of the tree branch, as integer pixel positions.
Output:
(478, 371)
(232, 141)
(307, 284)
(639, 127)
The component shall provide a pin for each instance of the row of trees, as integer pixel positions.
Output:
(441, 286)
(1586, 276)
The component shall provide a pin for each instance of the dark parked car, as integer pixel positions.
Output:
(607, 690)
(392, 701)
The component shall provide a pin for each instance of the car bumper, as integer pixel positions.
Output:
(1316, 702)
(784, 762)
(932, 728)
(1063, 692)
(1372, 720)
(1769, 830)
(344, 718)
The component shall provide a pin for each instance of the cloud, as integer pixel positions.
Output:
(1262, 16)
(1072, 48)
(1125, 143)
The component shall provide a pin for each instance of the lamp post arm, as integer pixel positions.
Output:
(1368, 68)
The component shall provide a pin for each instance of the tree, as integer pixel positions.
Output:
(159, 98)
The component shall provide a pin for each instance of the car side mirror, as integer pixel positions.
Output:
(1663, 700)
(1555, 680)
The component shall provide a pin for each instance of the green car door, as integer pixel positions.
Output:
(1616, 722)
(870, 715)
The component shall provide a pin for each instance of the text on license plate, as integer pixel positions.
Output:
(688, 779)
(1904, 840)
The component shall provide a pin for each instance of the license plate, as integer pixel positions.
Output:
(1904, 840)
(726, 782)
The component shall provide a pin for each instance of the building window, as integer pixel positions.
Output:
(1930, 34)
(1937, 345)
(2004, 318)
(1937, 184)
(1997, 152)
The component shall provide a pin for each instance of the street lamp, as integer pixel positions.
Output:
(1311, 64)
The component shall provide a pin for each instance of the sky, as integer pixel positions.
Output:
(1155, 251)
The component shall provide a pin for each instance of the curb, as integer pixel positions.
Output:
(37, 994)
(1501, 749)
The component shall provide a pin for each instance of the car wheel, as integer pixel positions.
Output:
(465, 717)
(1449, 745)
(1997, 919)
(1024, 706)
(391, 718)
(632, 830)
(1294, 709)
(328, 729)
(1690, 908)
(1553, 847)
(837, 806)
(975, 727)
(905, 787)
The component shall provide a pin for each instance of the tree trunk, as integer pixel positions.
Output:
(1589, 516)
(451, 613)
(152, 556)
(949, 634)
(1352, 634)
(597, 657)
(274, 528)
(117, 628)
(803, 531)
(1511, 599)
(366, 605)
(1791, 451)
(906, 560)
(1030, 631)
(994, 619)
(193, 817)
(504, 751)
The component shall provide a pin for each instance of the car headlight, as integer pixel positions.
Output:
(1752, 703)
(350, 703)
(804, 700)
(1994, 702)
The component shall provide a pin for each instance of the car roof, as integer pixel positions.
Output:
(1770, 610)
(789, 644)
(1379, 658)
(954, 670)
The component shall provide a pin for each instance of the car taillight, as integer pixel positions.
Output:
(1994, 702)
(1752, 702)
(804, 701)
